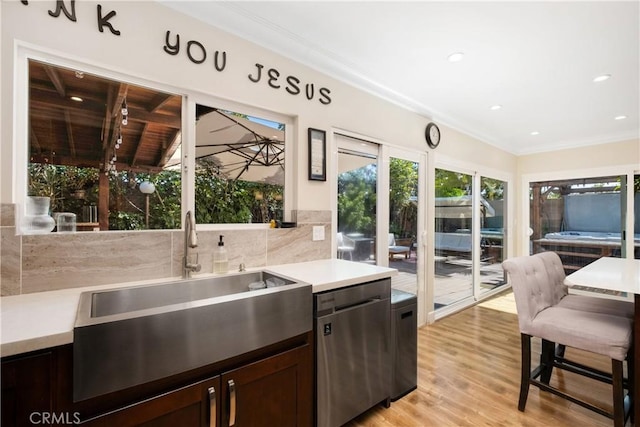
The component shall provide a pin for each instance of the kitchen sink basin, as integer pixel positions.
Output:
(129, 336)
(127, 300)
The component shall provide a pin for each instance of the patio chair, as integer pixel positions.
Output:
(395, 249)
(346, 246)
(589, 325)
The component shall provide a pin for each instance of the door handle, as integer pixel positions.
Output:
(212, 407)
(232, 403)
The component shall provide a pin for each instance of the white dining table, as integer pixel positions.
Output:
(622, 275)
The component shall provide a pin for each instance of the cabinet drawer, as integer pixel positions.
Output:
(187, 406)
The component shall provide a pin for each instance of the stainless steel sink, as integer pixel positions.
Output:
(129, 336)
(132, 299)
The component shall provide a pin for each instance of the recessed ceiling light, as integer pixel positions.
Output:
(620, 117)
(496, 107)
(76, 98)
(535, 132)
(602, 78)
(455, 57)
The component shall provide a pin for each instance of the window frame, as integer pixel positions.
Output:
(25, 52)
(477, 172)
(225, 104)
(621, 170)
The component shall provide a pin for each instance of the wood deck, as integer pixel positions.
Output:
(453, 283)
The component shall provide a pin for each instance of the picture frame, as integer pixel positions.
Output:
(317, 155)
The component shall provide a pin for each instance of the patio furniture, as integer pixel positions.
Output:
(587, 323)
(346, 246)
(397, 249)
(459, 244)
(364, 249)
(579, 250)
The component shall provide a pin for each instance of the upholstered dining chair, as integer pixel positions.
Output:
(547, 311)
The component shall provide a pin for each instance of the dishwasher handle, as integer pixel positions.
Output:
(358, 304)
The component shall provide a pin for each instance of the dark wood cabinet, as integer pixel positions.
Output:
(268, 387)
(193, 405)
(270, 392)
(27, 389)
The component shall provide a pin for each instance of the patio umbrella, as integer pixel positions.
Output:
(240, 148)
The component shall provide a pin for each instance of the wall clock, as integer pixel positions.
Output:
(432, 135)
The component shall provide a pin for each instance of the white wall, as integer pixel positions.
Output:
(138, 52)
(595, 156)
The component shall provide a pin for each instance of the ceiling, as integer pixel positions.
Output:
(537, 60)
(77, 119)
(84, 132)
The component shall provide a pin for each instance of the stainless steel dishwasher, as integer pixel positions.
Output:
(353, 354)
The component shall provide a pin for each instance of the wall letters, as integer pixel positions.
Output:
(70, 13)
(198, 53)
(293, 84)
(61, 7)
(104, 21)
(203, 52)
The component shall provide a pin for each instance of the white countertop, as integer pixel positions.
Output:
(613, 274)
(328, 274)
(46, 319)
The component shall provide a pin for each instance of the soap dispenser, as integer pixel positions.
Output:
(220, 259)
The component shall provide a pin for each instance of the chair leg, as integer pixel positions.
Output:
(525, 372)
(630, 380)
(618, 393)
(546, 360)
(560, 349)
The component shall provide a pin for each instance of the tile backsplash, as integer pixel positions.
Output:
(36, 263)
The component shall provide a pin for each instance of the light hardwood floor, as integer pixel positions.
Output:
(469, 375)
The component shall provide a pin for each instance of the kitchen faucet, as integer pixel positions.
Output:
(190, 241)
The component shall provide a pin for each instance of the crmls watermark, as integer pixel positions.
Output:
(53, 418)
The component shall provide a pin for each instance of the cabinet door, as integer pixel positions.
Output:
(277, 391)
(27, 390)
(193, 405)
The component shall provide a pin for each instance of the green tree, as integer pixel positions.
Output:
(492, 189)
(60, 184)
(223, 201)
(403, 192)
(357, 200)
(452, 184)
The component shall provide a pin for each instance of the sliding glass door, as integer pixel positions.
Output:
(406, 219)
(470, 237)
(493, 205)
(357, 200)
(453, 238)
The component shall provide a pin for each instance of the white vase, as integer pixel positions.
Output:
(37, 219)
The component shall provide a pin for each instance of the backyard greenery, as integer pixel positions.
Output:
(218, 200)
(357, 196)
(357, 199)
